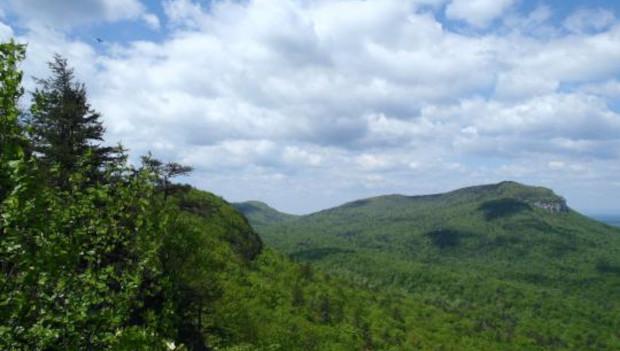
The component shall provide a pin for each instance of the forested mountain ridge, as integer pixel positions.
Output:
(513, 261)
(259, 213)
(505, 189)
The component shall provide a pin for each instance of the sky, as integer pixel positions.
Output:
(306, 104)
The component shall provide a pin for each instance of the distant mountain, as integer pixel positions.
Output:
(614, 222)
(609, 219)
(259, 213)
(513, 260)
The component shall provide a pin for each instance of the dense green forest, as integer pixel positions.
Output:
(512, 265)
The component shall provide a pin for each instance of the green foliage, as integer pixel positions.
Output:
(11, 138)
(239, 298)
(260, 213)
(445, 238)
(63, 127)
(105, 260)
(502, 208)
(511, 266)
(77, 271)
(164, 172)
(222, 221)
(79, 265)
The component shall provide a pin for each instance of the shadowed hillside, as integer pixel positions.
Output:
(259, 213)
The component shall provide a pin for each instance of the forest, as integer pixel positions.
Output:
(99, 254)
(511, 265)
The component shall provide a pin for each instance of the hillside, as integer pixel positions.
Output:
(259, 300)
(609, 219)
(259, 213)
(512, 263)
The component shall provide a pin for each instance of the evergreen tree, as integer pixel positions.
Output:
(65, 130)
(164, 172)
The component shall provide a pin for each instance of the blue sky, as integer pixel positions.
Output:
(306, 104)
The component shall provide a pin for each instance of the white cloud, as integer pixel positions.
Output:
(556, 164)
(43, 42)
(151, 20)
(373, 162)
(5, 32)
(231, 154)
(609, 89)
(556, 115)
(330, 107)
(184, 13)
(300, 157)
(514, 85)
(537, 17)
(66, 13)
(478, 13)
(585, 20)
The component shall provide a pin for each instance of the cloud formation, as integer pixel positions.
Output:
(478, 13)
(586, 20)
(305, 104)
(6, 32)
(65, 13)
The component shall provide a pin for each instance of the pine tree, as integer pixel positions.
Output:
(65, 130)
(164, 172)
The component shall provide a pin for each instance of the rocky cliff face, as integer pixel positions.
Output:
(555, 206)
(539, 197)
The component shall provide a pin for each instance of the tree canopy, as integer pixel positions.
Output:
(65, 131)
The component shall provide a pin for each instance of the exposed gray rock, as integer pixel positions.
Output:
(556, 206)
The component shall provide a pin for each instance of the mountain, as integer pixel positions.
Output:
(512, 263)
(259, 213)
(613, 220)
(246, 297)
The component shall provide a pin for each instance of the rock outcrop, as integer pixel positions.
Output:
(557, 206)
